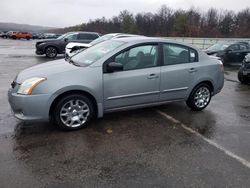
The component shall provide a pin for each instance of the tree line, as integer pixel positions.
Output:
(168, 22)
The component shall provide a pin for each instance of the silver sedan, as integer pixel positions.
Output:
(118, 74)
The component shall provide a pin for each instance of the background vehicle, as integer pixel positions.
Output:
(51, 35)
(53, 47)
(10, 33)
(3, 34)
(229, 52)
(21, 35)
(244, 72)
(73, 47)
(35, 35)
(117, 74)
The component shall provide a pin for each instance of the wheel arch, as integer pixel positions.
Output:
(208, 82)
(69, 92)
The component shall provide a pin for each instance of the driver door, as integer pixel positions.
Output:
(138, 83)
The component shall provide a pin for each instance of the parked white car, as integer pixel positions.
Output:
(74, 47)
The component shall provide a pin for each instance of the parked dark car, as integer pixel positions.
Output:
(35, 36)
(244, 72)
(52, 47)
(229, 52)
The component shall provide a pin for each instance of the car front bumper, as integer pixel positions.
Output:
(39, 52)
(29, 107)
(39, 49)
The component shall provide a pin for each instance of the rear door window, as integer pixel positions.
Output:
(178, 54)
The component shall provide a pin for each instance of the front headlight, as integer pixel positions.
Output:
(29, 85)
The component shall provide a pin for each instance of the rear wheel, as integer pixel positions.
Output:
(14, 37)
(200, 97)
(27, 38)
(51, 52)
(243, 79)
(73, 112)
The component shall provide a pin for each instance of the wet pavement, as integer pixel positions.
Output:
(138, 148)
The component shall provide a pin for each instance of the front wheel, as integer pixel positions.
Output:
(200, 97)
(51, 52)
(73, 112)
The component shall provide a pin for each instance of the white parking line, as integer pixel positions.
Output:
(227, 152)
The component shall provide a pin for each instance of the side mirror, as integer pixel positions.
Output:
(229, 50)
(113, 66)
(66, 39)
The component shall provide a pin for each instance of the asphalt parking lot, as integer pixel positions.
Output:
(166, 146)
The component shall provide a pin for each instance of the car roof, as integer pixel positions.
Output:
(125, 34)
(142, 39)
(84, 32)
(232, 42)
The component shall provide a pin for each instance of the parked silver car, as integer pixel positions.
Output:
(117, 74)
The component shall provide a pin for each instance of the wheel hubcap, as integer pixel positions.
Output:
(74, 113)
(51, 52)
(202, 97)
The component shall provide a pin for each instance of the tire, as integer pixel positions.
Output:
(73, 112)
(242, 78)
(51, 52)
(14, 37)
(200, 97)
(27, 38)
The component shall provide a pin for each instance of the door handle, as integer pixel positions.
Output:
(152, 76)
(191, 70)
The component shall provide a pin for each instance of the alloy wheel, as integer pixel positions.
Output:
(74, 113)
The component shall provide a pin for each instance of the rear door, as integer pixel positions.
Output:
(178, 71)
(233, 53)
(138, 83)
(243, 51)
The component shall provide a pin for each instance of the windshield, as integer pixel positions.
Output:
(95, 53)
(101, 39)
(218, 47)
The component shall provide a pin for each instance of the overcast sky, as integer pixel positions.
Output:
(61, 13)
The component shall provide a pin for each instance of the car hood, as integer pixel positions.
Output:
(48, 40)
(45, 70)
(73, 44)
